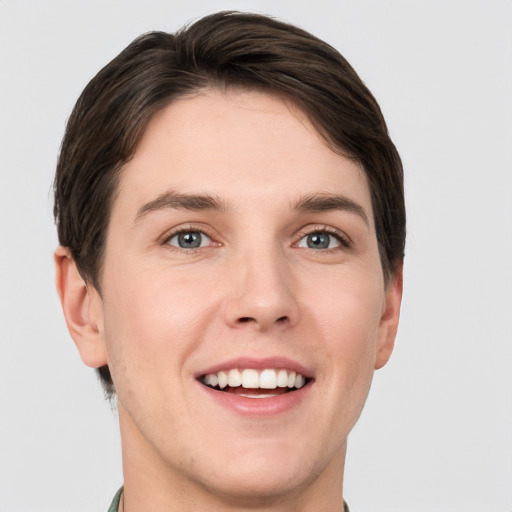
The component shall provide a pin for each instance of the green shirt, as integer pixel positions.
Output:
(115, 503)
(114, 506)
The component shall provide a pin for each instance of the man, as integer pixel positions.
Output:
(231, 219)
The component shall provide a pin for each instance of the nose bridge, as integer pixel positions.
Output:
(263, 292)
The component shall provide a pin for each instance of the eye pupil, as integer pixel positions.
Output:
(318, 241)
(189, 240)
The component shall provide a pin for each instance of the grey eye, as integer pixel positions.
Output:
(189, 240)
(319, 240)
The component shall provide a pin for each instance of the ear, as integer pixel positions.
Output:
(389, 320)
(82, 307)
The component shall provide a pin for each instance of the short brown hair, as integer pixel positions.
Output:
(223, 50)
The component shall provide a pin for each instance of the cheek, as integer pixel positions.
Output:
(154, 322)
(347, 308)
(348, 315)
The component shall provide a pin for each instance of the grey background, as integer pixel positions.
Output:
(436, 434)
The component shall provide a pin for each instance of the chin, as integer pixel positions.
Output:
(259, 488)
(263, 477)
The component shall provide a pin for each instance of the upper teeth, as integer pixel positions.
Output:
(252, 379)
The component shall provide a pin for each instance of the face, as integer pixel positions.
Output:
(241, 253)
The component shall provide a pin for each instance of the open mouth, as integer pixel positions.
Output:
(251, 383)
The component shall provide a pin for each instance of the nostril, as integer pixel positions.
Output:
(247, 319)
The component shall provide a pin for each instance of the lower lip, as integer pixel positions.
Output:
(258, 406)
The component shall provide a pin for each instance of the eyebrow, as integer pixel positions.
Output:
(316, 203)
(172, 200)
(313, 203)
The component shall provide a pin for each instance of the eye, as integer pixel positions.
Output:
(189, 240)
(320, 240)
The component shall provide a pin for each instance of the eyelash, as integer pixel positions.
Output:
(342, 238)
(182, 230)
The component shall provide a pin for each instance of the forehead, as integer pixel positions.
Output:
(241, 146)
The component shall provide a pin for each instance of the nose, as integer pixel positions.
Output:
(263, 294)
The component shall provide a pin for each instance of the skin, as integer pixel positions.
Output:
(253, 289)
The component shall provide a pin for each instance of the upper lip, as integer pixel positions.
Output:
(241, 363)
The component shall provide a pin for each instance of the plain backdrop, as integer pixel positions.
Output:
(436, 434)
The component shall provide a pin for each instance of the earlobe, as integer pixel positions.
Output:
(81, 305)
(389, 320)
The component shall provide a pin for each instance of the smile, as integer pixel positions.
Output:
(251, 382)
